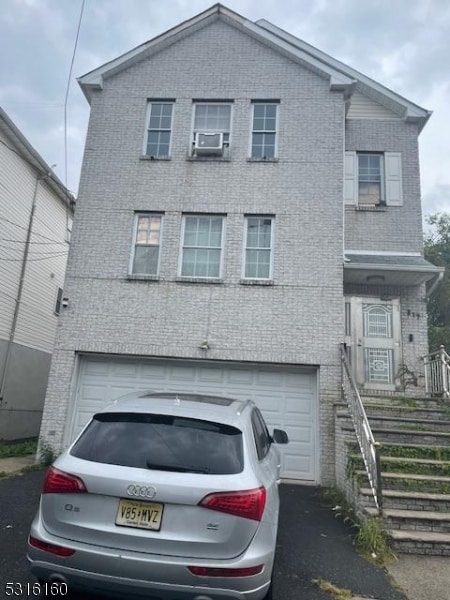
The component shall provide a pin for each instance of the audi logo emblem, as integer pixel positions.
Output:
(141, 491)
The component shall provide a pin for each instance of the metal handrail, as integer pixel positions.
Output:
(437, 373)
(370, 449)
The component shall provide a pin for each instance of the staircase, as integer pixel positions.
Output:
(414, 436)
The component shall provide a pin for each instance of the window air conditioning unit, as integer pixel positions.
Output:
(208, 144)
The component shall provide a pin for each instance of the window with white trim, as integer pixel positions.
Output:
(202, 244)
(214, 120)
(159, 129)
(373, 179)
(258, 249)
(264, 130)
(147, 243)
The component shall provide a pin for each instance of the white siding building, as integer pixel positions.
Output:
(36, 213)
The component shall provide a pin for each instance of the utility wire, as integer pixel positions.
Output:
(34, 243)
(68, 88)
(34, 259)
(26, 229)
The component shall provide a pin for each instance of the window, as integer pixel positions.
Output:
(258, 247)
(202, 246)
(159, 129)
(261, 435)
(59, 294)
(147, 241)
(212, 119)
(370, 179)
(264, 131)
(373, 179)
(163, 442)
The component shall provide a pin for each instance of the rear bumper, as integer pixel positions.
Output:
(97, 570)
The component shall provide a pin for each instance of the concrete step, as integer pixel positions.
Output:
(400, 435)
(420, 542)
(420, 451)
(410, 482)
(408, 412)
(405, 402)
(398, 499)
(416, 520)
(414, 466)
(412, 424)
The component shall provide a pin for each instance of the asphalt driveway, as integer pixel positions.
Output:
(312, 544)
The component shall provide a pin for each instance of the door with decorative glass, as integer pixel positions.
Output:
(373, 341)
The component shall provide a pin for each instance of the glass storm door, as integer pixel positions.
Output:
(373, 338)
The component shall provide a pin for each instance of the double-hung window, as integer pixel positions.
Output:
(370, 179)
(212, 126)
(373, 179)
(159, 129)
(264, 130)
(258, 251)
(147, 243)
(202, 244)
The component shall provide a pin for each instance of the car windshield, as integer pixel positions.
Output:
(162, 442)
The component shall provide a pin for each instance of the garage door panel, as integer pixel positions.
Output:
(286, 398)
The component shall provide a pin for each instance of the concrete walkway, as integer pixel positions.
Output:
(16, 463)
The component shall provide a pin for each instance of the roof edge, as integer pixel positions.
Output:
(31, 155)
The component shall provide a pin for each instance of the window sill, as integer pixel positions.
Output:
(371, 208)
(136, 277)
(199, 280)
(208, 159)
(155, 158)
(263, 160)
(256, 282)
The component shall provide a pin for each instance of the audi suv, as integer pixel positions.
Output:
(167, 496)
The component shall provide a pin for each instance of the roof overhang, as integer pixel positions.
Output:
(389, 269)
(23, 147)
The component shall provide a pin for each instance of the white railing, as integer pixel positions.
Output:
(370, 449)
(437, 373)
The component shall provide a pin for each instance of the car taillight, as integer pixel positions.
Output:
(52, 548)
(247, 503)
(221, 572)
(58, 482)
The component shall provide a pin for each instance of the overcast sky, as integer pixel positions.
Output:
(403, 44)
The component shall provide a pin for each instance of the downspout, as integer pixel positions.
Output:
(19, 291)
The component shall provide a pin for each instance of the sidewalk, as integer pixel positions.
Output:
(422, 577)
(16, 463)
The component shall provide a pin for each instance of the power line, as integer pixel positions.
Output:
(26, 229)
(49, 256)
(30, 307)
(68, 88)
(34, 243)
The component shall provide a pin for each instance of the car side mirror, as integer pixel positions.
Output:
(280, 436)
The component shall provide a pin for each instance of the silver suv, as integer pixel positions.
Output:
(171, 496)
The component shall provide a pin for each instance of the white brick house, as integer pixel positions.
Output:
(213, 250)
(36, 212)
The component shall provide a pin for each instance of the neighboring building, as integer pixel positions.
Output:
(213, 251)
(36, 213)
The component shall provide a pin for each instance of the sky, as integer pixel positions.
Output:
(403, 44)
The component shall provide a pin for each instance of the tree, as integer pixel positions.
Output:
(437, 251)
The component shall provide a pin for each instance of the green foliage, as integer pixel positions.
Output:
(372, 542)
(13, 449)
(47, 454)
(437, 251)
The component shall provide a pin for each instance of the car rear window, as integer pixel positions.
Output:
(162, 442)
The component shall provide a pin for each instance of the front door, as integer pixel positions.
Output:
(374, 341)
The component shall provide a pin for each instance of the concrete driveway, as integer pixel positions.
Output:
(312, 544)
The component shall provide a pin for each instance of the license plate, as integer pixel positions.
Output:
(144, 515)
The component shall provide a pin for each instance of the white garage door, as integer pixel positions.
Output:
(286, 397)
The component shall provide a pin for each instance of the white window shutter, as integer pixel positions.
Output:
(393, 173)
(350, 178)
